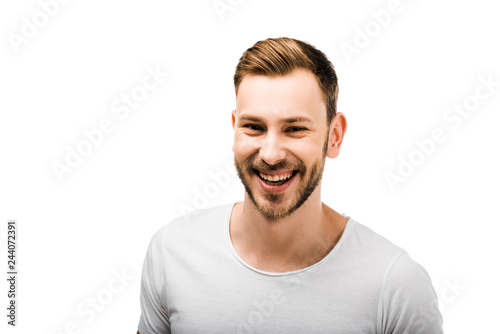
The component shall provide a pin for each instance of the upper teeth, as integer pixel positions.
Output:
(275, 177)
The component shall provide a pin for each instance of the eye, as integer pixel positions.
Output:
(295, 129)
(253, 127)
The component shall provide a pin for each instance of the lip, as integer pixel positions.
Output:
(275, 172)
(276, 189)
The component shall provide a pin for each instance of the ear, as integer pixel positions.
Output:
(233, 121)
(233, 117)
(336, 135)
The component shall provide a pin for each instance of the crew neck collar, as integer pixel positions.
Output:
(331, 254)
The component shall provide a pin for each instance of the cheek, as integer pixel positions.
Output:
(244, 145)
(304, 146)
(307, 151)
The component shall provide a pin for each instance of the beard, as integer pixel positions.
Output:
(270, 207)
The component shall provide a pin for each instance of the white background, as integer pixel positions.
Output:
(75, 234)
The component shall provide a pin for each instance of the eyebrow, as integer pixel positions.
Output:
(286, 120)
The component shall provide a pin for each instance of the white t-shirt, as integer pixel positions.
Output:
(193, 281)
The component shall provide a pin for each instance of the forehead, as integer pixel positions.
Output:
(295, 94)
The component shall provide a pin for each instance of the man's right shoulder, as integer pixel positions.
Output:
(196, 222)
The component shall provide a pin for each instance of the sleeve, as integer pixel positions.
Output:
(408, 303)
(154, 319)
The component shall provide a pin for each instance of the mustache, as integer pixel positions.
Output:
(250, 164)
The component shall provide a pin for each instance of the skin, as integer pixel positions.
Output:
(292, 229)
(269, 232)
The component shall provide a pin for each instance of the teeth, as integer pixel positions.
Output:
(275, 177)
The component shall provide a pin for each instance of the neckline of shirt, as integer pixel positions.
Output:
(229, 210)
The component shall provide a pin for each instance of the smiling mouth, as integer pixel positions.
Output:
(275, 180)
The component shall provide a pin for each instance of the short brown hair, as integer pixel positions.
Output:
(280, 56)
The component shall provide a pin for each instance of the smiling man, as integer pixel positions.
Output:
(282, 261)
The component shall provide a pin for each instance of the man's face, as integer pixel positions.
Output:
(280, 140)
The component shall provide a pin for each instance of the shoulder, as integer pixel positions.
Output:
(202, 216)
(408, 302)
(405, 278)
(400, 265)
(406, 271)
(370, 248)
(396, 265)
(192, 225)
(370, 238)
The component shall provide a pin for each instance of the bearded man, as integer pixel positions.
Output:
(282, 261)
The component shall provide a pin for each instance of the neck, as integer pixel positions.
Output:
(290, 243)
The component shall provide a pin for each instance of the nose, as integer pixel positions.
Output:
(272, 150)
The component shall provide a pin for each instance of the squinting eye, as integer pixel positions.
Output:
(294, 129)
(253, 127)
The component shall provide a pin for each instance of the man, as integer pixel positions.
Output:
(282, 261)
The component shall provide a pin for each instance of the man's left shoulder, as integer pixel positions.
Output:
(407, 301)
(370, 244)
(375, 253)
